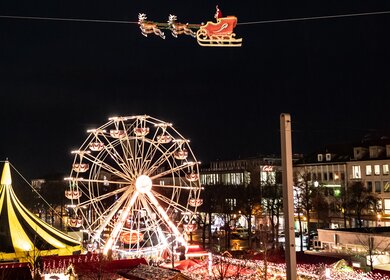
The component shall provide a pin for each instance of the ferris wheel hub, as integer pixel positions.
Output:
(143, 184)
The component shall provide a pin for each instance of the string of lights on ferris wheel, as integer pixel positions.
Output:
(211, 34)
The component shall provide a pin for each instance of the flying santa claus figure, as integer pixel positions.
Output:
(218, 13)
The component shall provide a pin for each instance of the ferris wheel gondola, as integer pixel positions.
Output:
(135, 178)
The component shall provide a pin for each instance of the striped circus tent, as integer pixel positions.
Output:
(22, 234)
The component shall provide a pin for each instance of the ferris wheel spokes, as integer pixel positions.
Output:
(166, 218)
(109, 148)
(162, 227)
(156, 225)
(157, 146)
(102, 197)
(105, 181)
(111, 214)
(109, 168)
(159, 161)
(114, 235)
(176, 187)
(173, 170)
(180, 208)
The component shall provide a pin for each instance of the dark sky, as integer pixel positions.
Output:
(59, 78)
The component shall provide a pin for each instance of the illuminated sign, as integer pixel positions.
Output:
(268, 168)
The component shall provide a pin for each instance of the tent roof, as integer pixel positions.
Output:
(23, 234)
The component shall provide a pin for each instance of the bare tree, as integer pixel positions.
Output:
(226, 267)
(374, 245)
(221, 199)
(210, 196)
(262, 271)
(33, 257)
(360, 200)
(343, 204)
(321, 206)
(249, 202)
(304, 198)
(272, 202)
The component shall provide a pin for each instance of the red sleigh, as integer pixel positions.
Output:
(219, 34)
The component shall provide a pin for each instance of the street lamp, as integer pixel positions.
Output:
(378, 220)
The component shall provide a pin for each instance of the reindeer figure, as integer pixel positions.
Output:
(179, 28)
(148, 27)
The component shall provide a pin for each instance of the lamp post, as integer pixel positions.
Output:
(378, 219)
(288, 196)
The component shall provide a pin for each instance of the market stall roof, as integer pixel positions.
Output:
(89, 266)
(146, 272)
(23, 234)
(186, 264)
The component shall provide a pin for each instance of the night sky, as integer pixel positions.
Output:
(60, 78)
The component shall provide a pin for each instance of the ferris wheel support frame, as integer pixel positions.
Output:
(122, 219)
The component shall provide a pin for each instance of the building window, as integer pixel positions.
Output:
(377, 169)
(232, 179)
(369, 186)
(356, 174)
(385, 169)
(231, 202)
(368, 170)
(386, 186)
(268, 177)
(209, 179)
(378, 186)
(386, 208)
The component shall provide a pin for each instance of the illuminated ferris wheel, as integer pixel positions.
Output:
(135, 186)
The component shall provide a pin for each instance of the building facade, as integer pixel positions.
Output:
(337, 171)
(370, 165)
(334, 170)
(241, 172)
(328, 172)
